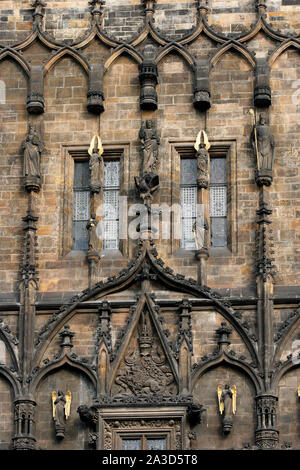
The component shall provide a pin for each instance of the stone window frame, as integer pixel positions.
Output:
(72, 153)
(117, 422)
(219, 147)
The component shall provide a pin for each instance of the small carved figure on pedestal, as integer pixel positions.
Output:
(61, 405)
(227, 406)
(94, 239)
(263, 145)
(32, 147)
(150, 142)
(149, 181)
(96, 164)
(202, 159)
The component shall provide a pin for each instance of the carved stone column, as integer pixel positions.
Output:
(24, 424)
(266, 434)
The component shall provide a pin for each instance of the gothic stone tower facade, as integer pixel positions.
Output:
(117, 337)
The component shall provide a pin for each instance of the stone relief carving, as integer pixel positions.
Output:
(144, 369)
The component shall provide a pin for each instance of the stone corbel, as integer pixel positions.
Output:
(262, 89)
(95, 94)
(35, 98)
(201, 86)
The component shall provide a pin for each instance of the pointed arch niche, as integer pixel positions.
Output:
(209, 431)
(65, 378)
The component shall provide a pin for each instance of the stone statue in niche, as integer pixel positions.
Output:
(96, 164)
(149, 180)
(32, 147)
(61, 406)
(263, 145)
(202, 148)
(150, 142)
(94, 245)
(144, 370)
(227, 406)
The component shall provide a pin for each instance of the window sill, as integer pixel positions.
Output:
(219, 251)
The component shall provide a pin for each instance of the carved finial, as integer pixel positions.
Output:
(97, 8)
(149, 7)
(38, 14)
(66, 336)
(261, 6)
(224, 331)
(203, 6)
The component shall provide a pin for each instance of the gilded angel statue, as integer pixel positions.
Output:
(61, 406)
(96, 164)
(202, 146)
(227, 406)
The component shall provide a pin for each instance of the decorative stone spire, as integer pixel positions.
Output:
(264, 242)
(28, 269)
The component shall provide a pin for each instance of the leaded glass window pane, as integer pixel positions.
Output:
(111, 193)
(188, 198)
(131, 444)
(81, 205)
(218, 202)
(156, 444)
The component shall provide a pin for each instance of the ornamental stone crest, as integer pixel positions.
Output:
(144, 368)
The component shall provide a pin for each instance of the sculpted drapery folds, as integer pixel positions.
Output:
(96, 164)
(61, 411)
(227, 406)
(263, 145)
(150, 142)
(33, 147)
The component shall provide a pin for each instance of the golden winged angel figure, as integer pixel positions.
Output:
(205, 141)
(227, 400)
(61, 405)
(96, 144)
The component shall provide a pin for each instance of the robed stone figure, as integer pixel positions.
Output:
(61, 405)
(263, 145)
(32, 147)
(150, 142)
(227, 406)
